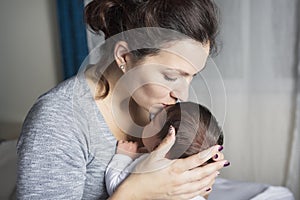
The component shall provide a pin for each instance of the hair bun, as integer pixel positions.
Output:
(105, 16)
(140, 1)
(197, 19)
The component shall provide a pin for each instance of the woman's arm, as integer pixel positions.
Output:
(51, 157)
(159, 178)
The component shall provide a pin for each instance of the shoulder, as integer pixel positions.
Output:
(63, 91)
(54, 104)
(52, 117)
(59, 103)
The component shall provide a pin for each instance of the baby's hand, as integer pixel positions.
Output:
(127, 148)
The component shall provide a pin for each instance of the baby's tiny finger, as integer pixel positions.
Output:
(120, 142)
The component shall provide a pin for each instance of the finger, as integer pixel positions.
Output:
(200, 173)
(165, 145)
(120, 141)
(203, 193)
(219, 156)
(196, 160)
(135, 144)
(191, 187)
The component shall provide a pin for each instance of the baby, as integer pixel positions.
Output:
(195, 127)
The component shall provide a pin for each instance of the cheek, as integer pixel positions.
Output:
(147, 144)
(155, 91)
(150, 143)
(149, 136)
(150, 94)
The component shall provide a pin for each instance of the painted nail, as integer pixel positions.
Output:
(208, 189)
(216, 156)
(220, 148)
(226, 164)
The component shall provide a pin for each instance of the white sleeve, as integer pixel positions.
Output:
(198, 198)
(116, 172)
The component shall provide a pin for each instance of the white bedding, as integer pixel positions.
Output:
(224, 189)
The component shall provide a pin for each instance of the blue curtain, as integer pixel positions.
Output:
(73, 35)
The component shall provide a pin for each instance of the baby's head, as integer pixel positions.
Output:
(196, 129)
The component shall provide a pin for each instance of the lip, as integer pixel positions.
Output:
(161, 105)
(165, 105)
(158, 106)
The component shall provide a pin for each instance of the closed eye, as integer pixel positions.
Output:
(169, 78)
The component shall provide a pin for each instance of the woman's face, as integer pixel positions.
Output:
(163, 78)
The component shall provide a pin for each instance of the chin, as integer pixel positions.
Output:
(156, 108)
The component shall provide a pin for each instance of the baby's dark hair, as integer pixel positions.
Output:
(196, 129)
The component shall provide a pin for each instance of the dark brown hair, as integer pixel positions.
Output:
(196, 129)
(196, 19)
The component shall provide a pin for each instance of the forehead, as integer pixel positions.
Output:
(186, 56)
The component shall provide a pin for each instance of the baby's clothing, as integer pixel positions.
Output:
(119, 169)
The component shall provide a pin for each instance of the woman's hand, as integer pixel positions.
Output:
(159, 178)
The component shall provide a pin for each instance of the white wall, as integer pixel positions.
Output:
(257, 63)
(29, 55)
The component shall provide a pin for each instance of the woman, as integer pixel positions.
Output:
(69, 135)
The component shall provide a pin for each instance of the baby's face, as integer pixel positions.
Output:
(150, 138)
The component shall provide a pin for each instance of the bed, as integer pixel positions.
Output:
(223, 188)
(8, 168)
(239, 190)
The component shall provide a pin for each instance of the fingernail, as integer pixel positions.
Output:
(218, 173)
(220, 148)
(208, 189)
(216, 156)
(171, 130)
(226, 164)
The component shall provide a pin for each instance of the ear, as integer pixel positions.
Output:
(122, 55)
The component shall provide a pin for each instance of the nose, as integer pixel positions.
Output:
(180, 93)
(180, 90)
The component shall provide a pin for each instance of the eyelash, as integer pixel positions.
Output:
(169, 79)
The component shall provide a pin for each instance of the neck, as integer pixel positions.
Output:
(138, 114)
(121, 100)
(117, 106)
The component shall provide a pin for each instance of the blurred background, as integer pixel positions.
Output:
(43, 42)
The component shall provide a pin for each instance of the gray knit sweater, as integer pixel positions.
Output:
(65, 146)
